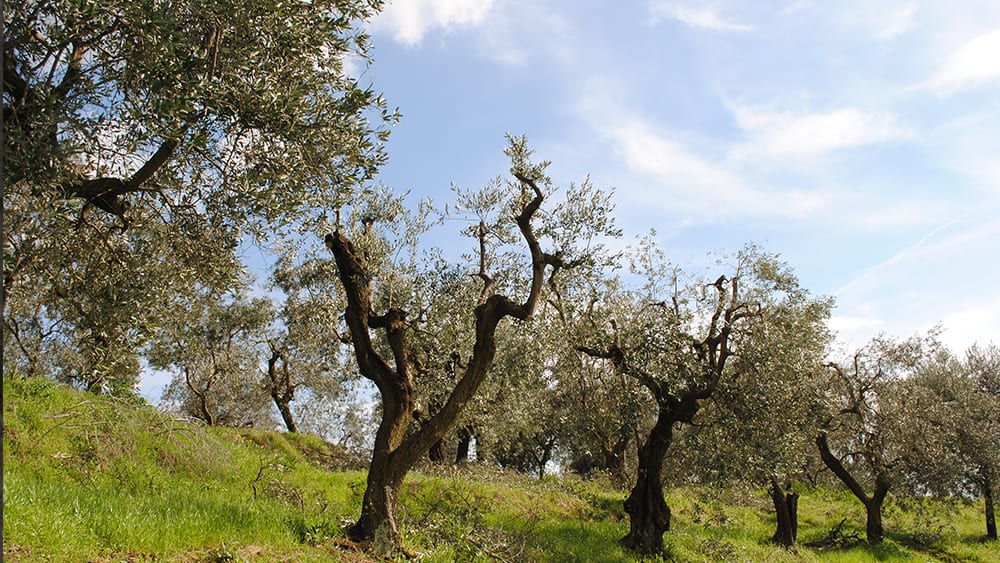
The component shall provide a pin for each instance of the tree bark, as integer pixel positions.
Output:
(873, 512)
(378, 508)
(614, 458)
(786, 508)
(286, 413)
(649, 515)
(280, 386)
(991, 517)
(437, 452)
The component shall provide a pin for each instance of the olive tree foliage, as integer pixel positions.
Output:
(602, 410)
(303, 363)
(516, 412)
(602, 413)
(213, 349)
(145, 139)
(681, 338)
(866, 439)
(392, 300)
(952, 427)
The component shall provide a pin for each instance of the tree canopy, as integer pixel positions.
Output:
(146, 140)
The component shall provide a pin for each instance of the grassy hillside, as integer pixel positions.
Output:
(91, 479)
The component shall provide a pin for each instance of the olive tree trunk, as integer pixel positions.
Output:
(873, 504)
(280, 386)
(991, 517)
(649, 515)
(786, 509)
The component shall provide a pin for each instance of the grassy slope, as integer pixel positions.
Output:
(89, 479)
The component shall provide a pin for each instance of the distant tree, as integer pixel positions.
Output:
(980, 439)
(602, 412)
(952, 426)
(678, 339)
(301, 361)
(381, 298)
(214, 353)
(862, 441)
(145, 140)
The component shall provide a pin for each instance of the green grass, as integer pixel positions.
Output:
(91, 479)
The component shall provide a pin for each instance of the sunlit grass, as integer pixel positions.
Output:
(90, 479)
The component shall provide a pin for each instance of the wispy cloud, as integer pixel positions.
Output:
(409, 20)
(931, 246)
(969, 66)
(809, 135)
(896, 22)
(700, 18)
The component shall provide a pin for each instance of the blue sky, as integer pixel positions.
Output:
(858, 139)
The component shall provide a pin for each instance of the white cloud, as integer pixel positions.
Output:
(686, 182)
(853, 330)
(700, 18)
(809, 135)
(409, 20)
(970, 65)
(978, 323)
(852, 324)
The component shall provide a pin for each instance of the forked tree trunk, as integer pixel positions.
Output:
(873, 504)
(395, 451)
(786, 509)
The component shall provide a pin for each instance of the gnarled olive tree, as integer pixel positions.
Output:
(862, 441)
(679, 339)
(381, 300)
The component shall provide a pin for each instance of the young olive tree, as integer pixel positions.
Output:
(380, 301)
(864, 438)
(681, 341)
(144, 140)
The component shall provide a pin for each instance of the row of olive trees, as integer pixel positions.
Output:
(146, 140)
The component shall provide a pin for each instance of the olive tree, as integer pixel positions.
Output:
(145, 140)
(301, 362)
(952, 426)
(759, 428)
(214, 352)
(381, 301)
(864, 438)
(678, 337)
